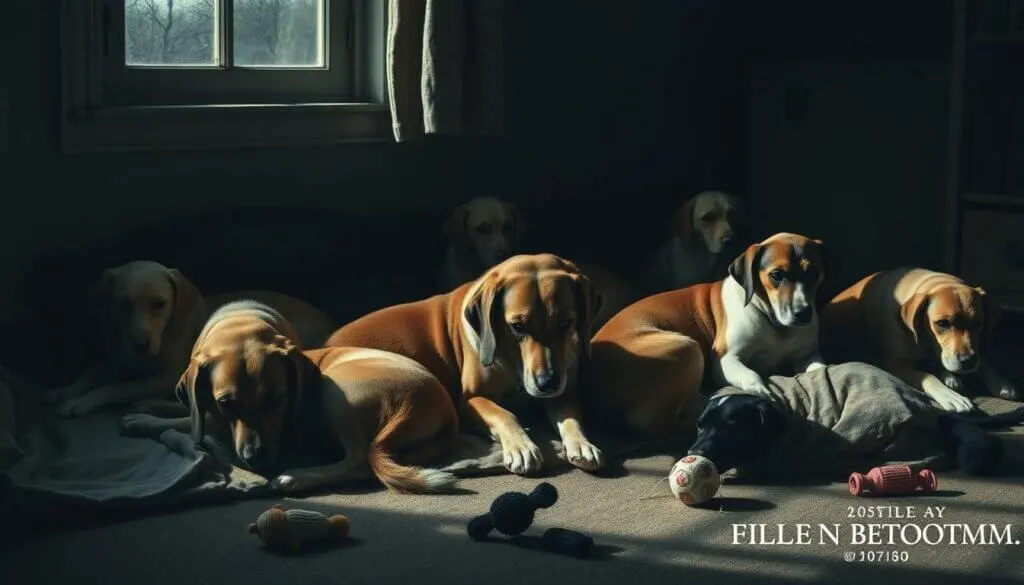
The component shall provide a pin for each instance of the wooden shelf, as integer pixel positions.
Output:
(993, 199)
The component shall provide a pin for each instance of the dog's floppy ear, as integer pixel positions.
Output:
(831, 263)
(518, 223)
(194, 389)
(588, 304)
(992, 313)
(454, 227)
(187, 313)
(744, 270)
(483, 313)
(682, 224)
(913, 314)
(288, 349)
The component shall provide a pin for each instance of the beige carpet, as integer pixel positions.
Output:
(644, 535)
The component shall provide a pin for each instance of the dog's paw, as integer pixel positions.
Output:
(953, 402)
(136, 425)
(284, 483)
(583, 454)
(1008, 391)
(815, 365)
(953, 382)
(521, 455)
(75, 407)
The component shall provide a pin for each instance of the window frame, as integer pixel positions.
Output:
(96, 117)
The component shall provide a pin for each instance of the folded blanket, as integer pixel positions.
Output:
(851, 417)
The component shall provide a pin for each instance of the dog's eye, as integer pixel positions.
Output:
(777, 276)
(159, 304)
(518, 327)
(708, 217)
(943, 324)
(484, 228)
(227, 405)
(565, 322)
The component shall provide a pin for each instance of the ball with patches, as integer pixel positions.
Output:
(694, 480)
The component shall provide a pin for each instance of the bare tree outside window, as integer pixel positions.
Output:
(265, 33)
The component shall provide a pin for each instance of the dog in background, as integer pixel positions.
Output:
(250, 383)
(524, 324)
(705, 228)
(147, 319)
(927, 328)
(486, 231)
(651, 361)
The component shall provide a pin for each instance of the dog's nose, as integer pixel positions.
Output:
(726, 239)
(803, 315)
(253, 452)
(547, 380)
(968, 361)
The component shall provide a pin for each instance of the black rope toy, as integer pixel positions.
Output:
(512, 513)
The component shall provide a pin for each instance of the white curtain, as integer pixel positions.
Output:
(445, 67)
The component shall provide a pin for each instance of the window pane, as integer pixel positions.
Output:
(171, 32)
(279, 33)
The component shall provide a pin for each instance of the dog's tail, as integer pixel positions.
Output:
(412, 479)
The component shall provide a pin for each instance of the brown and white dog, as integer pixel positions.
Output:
(486, 230)
(928, 328)
(704, 229)
(525, 324)
(148, 317)
(251, 385)
(651, 360)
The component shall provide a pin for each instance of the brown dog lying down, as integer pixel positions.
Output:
(149, 317)
(249, 382)
(524, 324)
(485, 231)
(927, 328)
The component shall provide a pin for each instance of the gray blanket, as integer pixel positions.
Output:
(851, 417)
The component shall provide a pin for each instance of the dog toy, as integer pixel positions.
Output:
(290, 530)
(694, 480)
(892, 479)
(513, 512)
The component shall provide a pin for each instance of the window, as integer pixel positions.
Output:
(195, 73)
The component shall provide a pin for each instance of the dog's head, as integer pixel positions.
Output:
(489, 227)
(784, 272)
(736, 429)
(141, 302)
(533, 314)
(952, 322)
(711, 218)
(245, 374)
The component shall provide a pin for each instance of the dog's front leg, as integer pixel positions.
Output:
(731, 371)
(564, 413)
(521, 455)
(147, 425)
(126, 392)
(80, 386)
(996, 384)
(943, 396)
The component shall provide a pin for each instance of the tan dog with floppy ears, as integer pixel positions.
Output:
(928, 328)
(481, 233)
(704, 227)
(651, 361)
(148, 317)
(524, 324)
(250, 384)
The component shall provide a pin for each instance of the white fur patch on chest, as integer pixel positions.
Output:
(761, 345)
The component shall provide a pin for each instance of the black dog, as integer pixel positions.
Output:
(740, 429)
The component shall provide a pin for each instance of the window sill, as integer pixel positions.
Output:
(136, 128)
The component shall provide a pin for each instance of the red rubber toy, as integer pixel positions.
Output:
(892, 479)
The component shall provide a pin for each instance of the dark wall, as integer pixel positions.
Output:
(616, 112)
